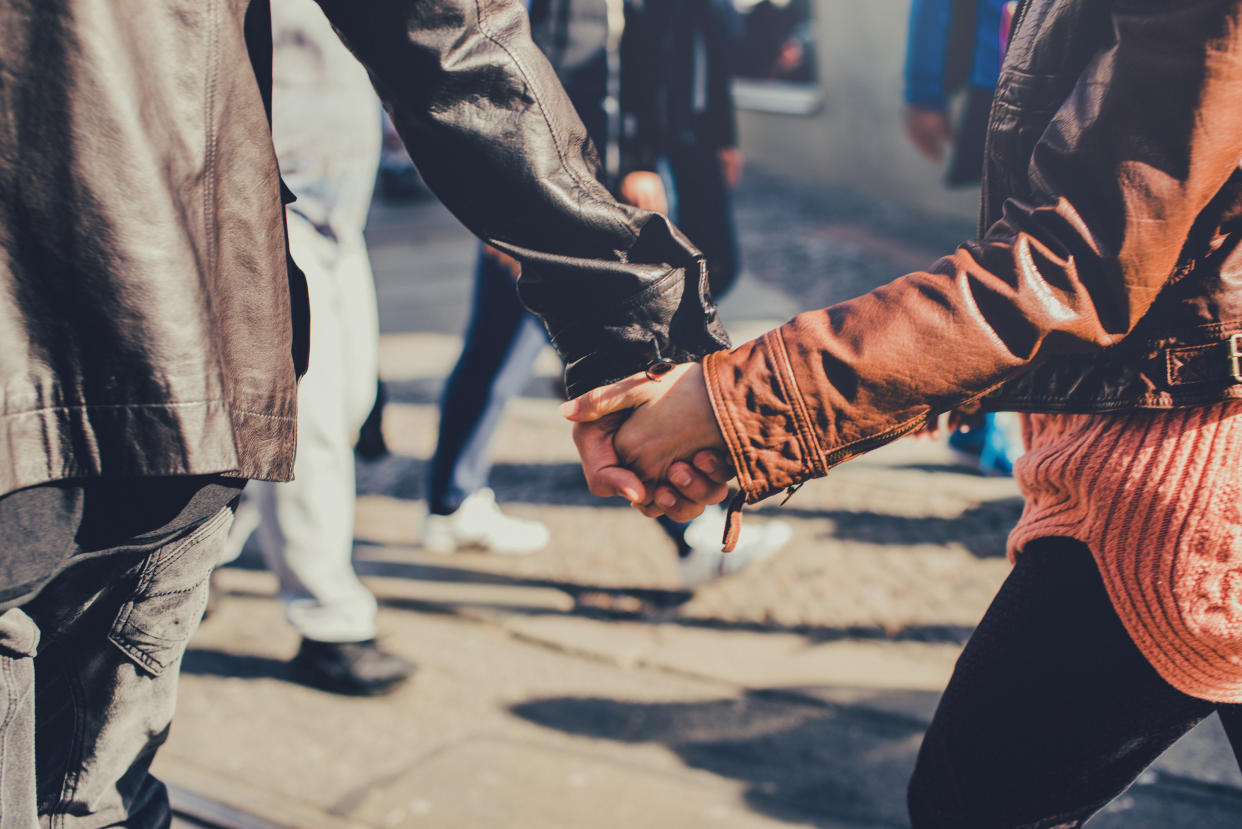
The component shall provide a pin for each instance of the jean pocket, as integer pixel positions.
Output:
(19, 635)
(153, 627)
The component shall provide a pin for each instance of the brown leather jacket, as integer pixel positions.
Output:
(148, 325)
(1108, 274)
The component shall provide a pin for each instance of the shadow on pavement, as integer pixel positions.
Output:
(799, 760)
(636, 604)
(819, 763)
(982, 529)
(205, 662)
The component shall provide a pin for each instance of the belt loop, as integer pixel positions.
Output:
(1235, 357)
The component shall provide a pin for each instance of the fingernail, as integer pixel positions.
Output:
(566, 409)
(631, 495)
(666, 500)
(681, 478)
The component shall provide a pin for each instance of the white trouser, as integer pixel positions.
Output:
(306, 526)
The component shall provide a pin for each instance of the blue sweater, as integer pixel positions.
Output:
(927, 50)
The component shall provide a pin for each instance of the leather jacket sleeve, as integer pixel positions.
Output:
(496, 139)
(1097, 223)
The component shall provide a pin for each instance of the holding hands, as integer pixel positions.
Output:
(653, 441)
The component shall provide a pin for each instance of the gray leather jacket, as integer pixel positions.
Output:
(148, 322)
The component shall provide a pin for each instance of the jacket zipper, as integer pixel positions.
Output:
(874, 442)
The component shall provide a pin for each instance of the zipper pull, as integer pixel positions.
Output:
(789, 493)
(733, 522)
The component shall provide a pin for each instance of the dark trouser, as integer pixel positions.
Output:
(502, 342)
(704, 212)
(88, 667)
(1052, 711)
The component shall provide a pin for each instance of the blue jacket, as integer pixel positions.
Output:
(927, 50)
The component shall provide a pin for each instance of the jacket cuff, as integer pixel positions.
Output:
(673, 319)
(763, 417)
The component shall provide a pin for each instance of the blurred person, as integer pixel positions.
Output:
(1103, 300)
(676, 65)
(778, 42)
(326, 130)
(954, 44)
(677, 70)
(503, 339)
(155, 328)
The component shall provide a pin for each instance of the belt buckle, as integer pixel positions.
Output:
(1235, 357)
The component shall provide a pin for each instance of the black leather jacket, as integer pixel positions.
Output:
(146, 311)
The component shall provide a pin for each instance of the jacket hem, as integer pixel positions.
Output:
(140, 441)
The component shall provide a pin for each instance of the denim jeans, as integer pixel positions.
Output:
(503, 340)
(88, 680)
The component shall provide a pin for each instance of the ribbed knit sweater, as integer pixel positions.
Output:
(1157, 497)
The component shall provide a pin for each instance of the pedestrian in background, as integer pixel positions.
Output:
(326, 129)
(952, 46)
(1103, 300)
(692, 135)
(955, 46)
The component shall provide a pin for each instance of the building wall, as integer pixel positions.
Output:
(856, 139)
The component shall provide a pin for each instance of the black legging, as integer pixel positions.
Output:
(1052, 711)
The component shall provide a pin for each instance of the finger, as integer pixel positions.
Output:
(604, 400)
(605, 475)
(694, 486)
(648, 510)
(714, 466)
(610, 481)
(674, 506)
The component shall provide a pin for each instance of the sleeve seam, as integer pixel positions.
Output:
(583, 188)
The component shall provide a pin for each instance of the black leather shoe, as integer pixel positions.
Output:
(371, 445)
(357, 668)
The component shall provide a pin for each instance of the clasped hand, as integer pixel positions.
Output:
(653, 442)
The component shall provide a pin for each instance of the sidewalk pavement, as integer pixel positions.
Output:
(582, 686)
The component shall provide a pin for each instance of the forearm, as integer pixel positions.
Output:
(496, 138)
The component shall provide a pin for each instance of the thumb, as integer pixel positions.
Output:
(615, 397)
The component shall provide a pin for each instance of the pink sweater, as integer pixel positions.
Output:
(1157, 496)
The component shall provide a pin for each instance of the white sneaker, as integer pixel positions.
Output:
(478, 522)
(706, 561)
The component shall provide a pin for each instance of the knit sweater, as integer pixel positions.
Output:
(1157, 497)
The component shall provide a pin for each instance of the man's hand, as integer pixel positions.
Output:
(645, 190)
(731, 163)
(511, 265)
(929, 131)
(635, 435)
